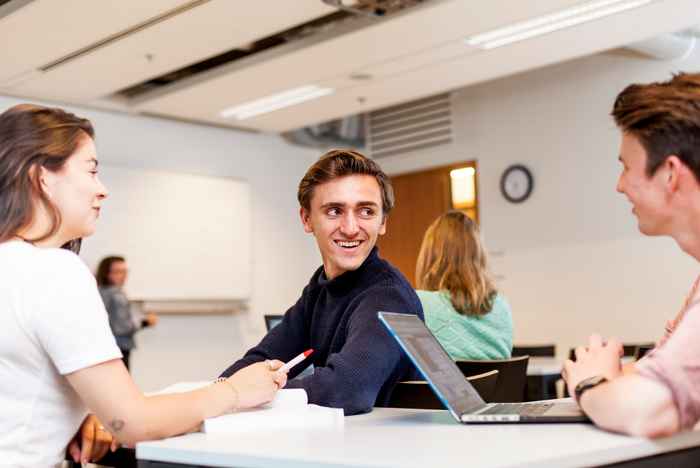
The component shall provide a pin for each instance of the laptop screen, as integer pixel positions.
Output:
(431, 359)
(271, 321)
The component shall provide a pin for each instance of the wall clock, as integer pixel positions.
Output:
(516, 183)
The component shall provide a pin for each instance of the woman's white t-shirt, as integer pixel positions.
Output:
(52, 323)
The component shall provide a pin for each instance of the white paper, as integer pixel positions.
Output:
(288, 410)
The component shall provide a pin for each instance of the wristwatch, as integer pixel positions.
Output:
(587, 384)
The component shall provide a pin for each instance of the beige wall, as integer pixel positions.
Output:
(570, 258)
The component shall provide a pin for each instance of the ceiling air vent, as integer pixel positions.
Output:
(412, 126)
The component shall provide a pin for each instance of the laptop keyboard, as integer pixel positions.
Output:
(523, 409)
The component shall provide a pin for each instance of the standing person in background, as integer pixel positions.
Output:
(111, 277)
(461, 305)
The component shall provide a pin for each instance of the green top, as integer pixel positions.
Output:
(487, 336)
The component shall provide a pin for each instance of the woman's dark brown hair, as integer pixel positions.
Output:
(32, 137)
(103, 269)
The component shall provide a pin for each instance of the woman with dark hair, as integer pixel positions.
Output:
(460, 302)
(57, 354)
(111, 276)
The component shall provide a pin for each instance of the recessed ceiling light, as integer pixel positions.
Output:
(275, 102)
(588, 11)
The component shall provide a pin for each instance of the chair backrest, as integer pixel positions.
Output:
(418, 394)
(512, 376)
(548, 350)
(642, 350)
(636, 350)
(272, 320)
(123, 458)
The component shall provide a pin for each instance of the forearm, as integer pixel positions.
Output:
(132, 417)
(161, 416)
(633, 405)
(328, 387)
(283, 342)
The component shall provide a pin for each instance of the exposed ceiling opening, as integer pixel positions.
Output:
(347, 13)
(9, 6)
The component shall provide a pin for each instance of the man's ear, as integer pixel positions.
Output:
(306, 220)
(382, 228)
(674, 171)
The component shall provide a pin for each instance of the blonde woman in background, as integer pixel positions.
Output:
(460, 302)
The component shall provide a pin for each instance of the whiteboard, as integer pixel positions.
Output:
(184, 237)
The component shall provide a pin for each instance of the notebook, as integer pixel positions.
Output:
(290, 409)
(455, 392)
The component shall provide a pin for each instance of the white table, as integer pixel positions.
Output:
(413, 439)
(538, 366)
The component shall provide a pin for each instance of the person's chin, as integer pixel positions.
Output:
(88, 231)
(350, 263)
(646, 229)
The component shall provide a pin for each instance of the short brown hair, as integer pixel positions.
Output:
(665, 118)
(340, 163)
(32, 137)
(452, 258)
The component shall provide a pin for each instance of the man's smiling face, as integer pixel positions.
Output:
(346, 218)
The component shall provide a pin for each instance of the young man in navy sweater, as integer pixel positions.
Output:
(345, 199)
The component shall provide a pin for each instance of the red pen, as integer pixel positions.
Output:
(295, 361)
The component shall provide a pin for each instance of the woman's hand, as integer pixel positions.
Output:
(91, 442)
(257, 383)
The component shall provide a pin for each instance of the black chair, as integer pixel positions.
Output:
(512, 376)
(636, 350)
(548, 350)
(642, 350)
(418, 394)
(272, 320)
(539, 387)
(122, 458)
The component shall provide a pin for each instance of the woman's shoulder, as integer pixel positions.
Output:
(500, 301)
(434, 300)
(429, 295)
(62, 265)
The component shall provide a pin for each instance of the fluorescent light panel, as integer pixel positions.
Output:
(275, 102)
(552, 22)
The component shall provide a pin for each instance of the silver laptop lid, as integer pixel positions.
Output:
(431, 359)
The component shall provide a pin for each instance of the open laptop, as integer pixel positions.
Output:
(455, 392)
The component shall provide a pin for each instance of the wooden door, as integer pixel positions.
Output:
(420, 198)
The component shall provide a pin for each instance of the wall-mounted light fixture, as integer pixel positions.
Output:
(463, 188)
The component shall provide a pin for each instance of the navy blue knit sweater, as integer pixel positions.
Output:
(357, 363)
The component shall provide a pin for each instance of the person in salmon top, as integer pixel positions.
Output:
(660, 156)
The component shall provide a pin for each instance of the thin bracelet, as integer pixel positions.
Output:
(225, 381)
